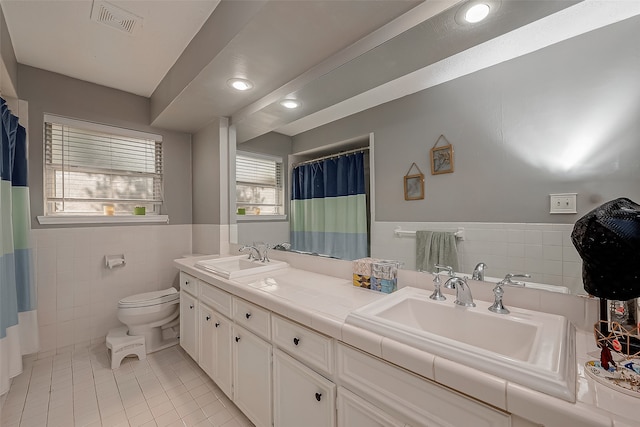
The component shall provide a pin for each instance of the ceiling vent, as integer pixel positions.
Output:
(115, 17)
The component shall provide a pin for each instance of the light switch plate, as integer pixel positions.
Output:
(563, 203)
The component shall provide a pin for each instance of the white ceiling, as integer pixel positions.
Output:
(336, 56)
(60, 36)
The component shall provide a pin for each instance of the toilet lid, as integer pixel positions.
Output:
(150, 298)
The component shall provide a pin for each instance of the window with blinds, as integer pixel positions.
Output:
(259, 184)
(95, 169)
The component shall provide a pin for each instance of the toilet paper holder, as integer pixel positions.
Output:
(111, 261)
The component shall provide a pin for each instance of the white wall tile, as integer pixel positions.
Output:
(515, 236)
(533, 237)
(78, 296)
(552, 238)
(553, 253)
(533, 251)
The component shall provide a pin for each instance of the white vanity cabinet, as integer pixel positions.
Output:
(301, 396)
(189, 315)
(283, 374)
(252, 377)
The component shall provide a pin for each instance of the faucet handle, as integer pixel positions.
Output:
(498, 307)
(437, 293)
(507, 279)
(445, 267)
(265, 253)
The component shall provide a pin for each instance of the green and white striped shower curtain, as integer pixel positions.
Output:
(329, 207)
(18, 319)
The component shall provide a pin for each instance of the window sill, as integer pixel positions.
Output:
(102, 219)
(247, 218)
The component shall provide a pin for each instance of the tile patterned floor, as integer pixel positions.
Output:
(78, 388)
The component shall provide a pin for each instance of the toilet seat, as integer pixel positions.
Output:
(148, 299)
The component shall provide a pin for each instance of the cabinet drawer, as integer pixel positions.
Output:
(252, 317)
(410, 398)
(189, 283)
(354, 411)
(312, 348)
(215, 298)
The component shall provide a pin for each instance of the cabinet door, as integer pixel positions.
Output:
(301, 396)
(354, 411)
(206, 355)
(189, 324)
(222, 353)
(252, 376)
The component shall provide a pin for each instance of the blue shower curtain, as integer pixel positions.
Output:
(18, 318)
(329, 207)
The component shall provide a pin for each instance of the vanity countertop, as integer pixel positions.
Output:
(323, 302)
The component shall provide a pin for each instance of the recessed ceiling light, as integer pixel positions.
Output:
(240, 84)
(290, 103)
(477, 13)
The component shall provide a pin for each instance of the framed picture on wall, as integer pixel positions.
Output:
(441, 159)
(414, 187)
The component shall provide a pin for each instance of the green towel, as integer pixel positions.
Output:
(436, 247)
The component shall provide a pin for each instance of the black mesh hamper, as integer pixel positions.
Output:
(608, 240)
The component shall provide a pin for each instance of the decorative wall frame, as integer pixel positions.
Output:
(414, 184)
(441, 157)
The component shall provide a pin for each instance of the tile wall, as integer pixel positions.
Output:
(78, 295)
(544, 251)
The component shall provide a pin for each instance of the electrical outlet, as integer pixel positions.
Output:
(563, 203)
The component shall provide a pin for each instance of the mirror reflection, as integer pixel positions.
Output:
(560, 120)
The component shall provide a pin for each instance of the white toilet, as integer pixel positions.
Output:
(153, 315)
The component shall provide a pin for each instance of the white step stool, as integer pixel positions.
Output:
(123, 345)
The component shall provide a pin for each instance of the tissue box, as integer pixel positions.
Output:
(376, 274)
(362, 271)
(385, 276)
(385, 286)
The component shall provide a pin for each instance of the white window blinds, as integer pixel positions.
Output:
(259, 184)
(96, 169)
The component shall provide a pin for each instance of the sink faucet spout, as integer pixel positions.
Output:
(463, 292)
(478, 272)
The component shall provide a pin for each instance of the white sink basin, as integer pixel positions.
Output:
(530, 348)
(238, 266)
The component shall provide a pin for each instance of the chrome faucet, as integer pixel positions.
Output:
(478, 272)
(463, 292)
(251, 249)
(498, 292)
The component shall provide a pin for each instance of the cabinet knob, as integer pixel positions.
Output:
(191, 306)
(296, 341)
(247, 315)
(186, 282)
(318, 396)
(237, 339)
(217, 324)
(208, 318)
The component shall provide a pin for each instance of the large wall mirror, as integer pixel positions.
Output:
(563, 119)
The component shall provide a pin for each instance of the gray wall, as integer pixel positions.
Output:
(206, 175)
(563, 119)
(8, 58)
(53, 93)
